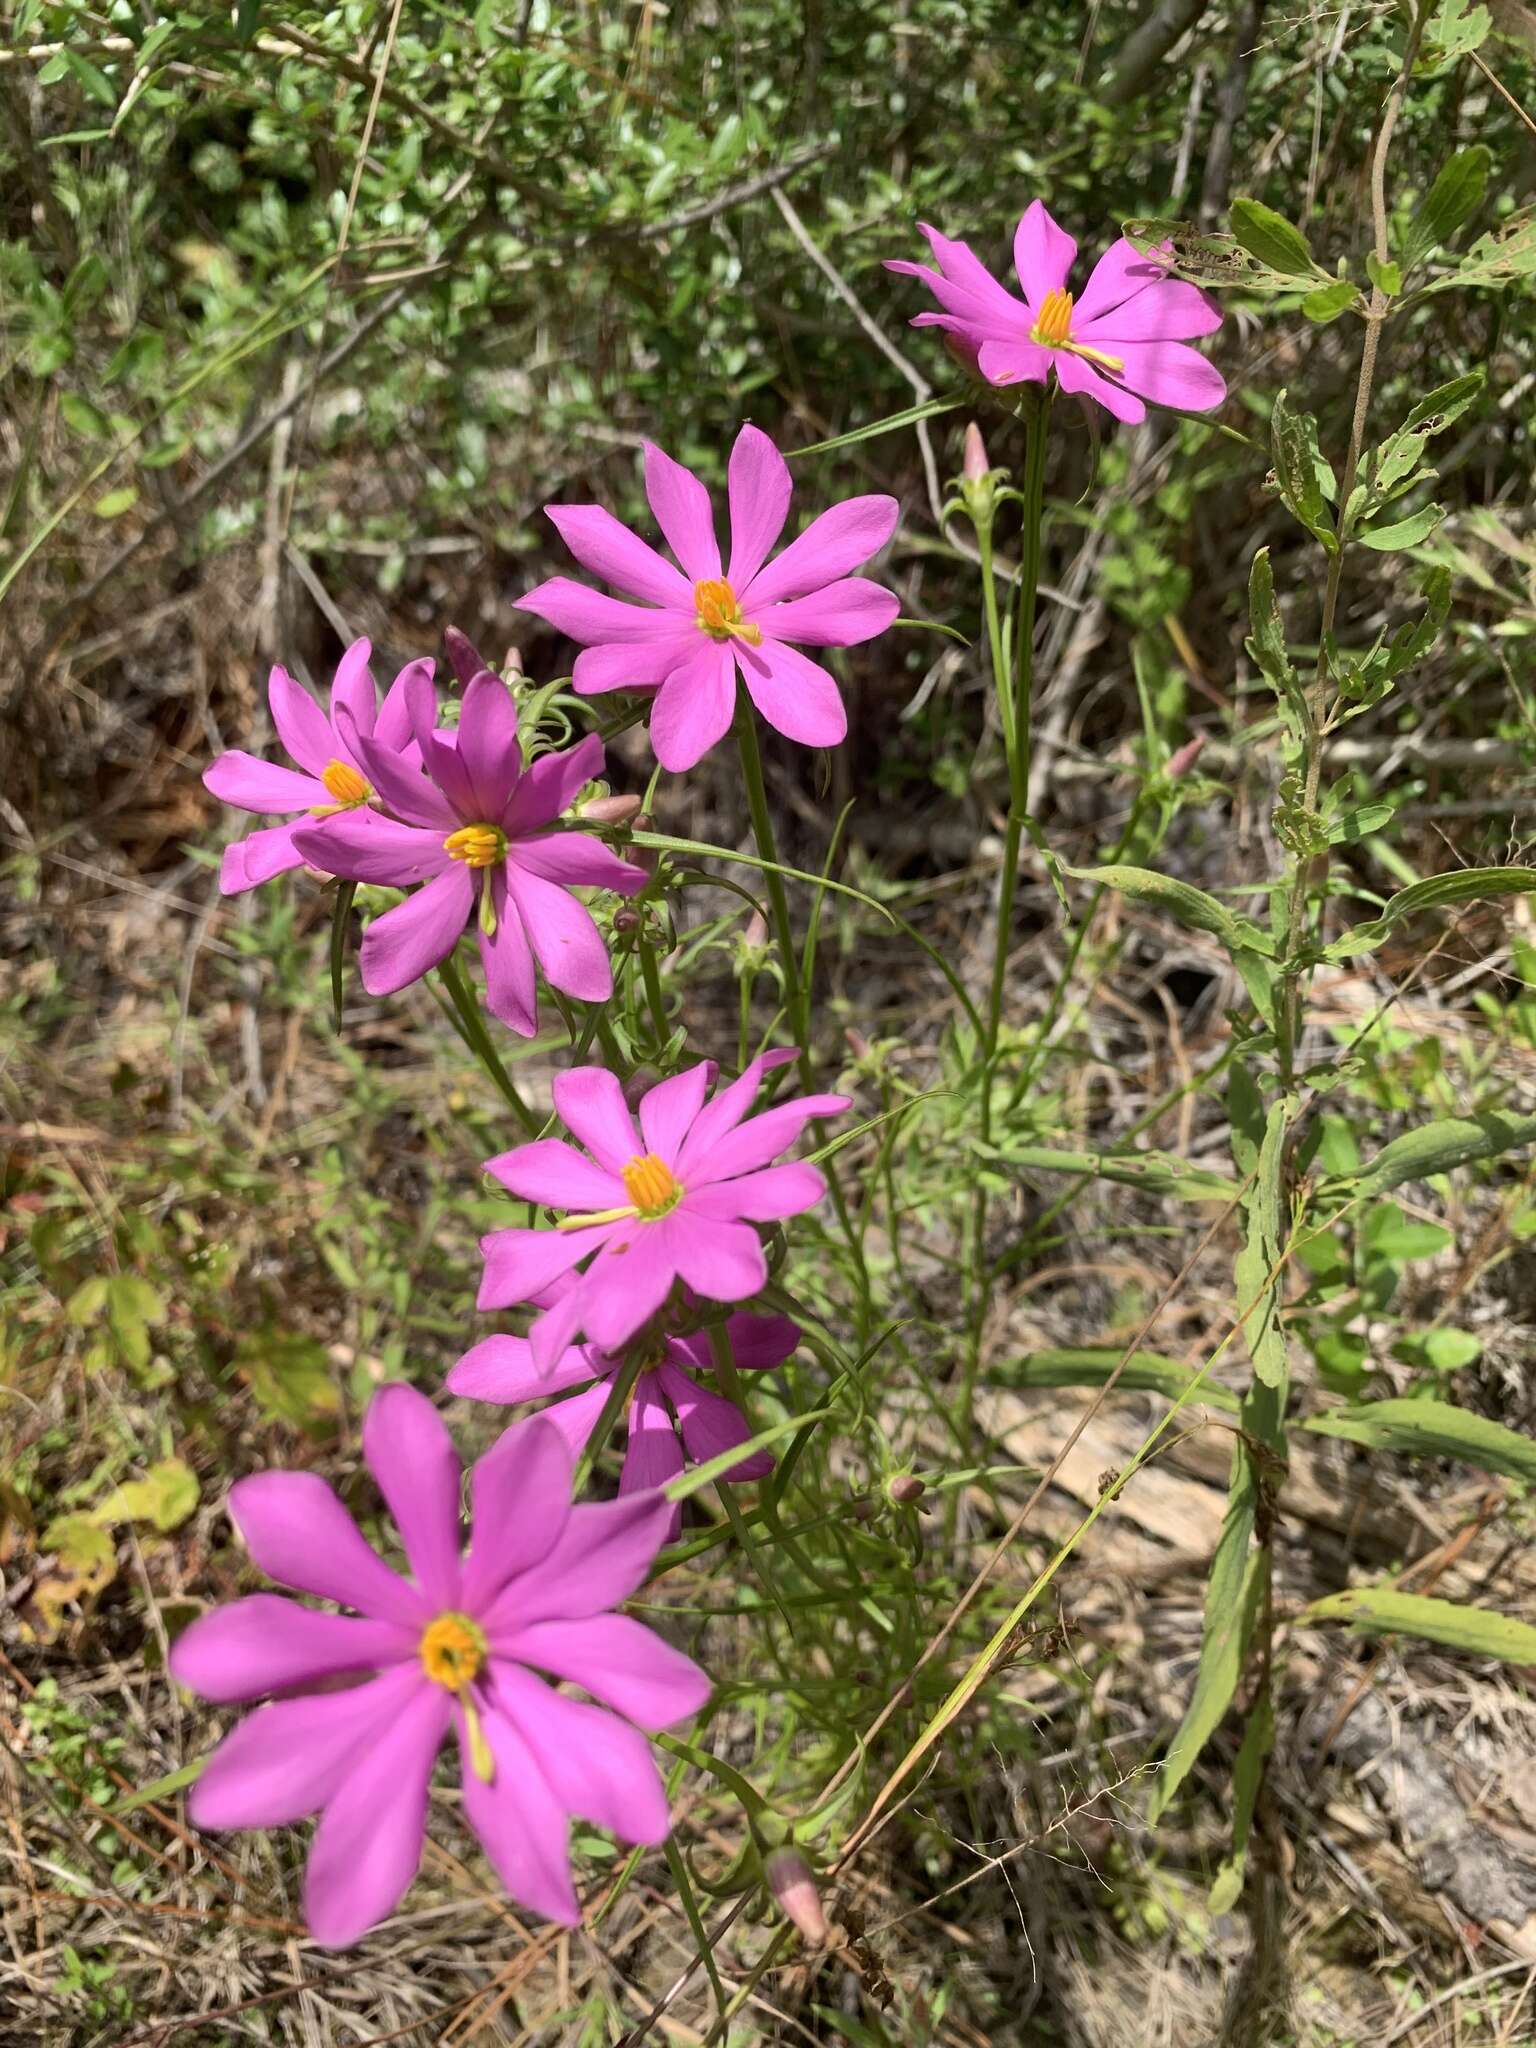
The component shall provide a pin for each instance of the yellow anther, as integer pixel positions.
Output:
(650, 1186)
(481, 1761)
(344, 783)
(718, 613)
(1053, 323)
(478, 846)
(452, 1650)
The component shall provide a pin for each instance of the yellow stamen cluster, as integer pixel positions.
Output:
(1053, 329)
(478, 846)
(452, 1650)
(342, 782)
(718, 613)
(649, 1183)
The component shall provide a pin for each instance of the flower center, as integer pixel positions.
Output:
(650, 1186)
(452, 1650)
(718, 613)
(1053, 329)
(342, 782)
(478, 846)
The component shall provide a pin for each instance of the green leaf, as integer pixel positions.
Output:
(84, 417)
(1191, 906)
(909, 417)
(1436, 892)
(1268, 649)
(1271, 238)
(700, 849)
(1231, 1609)
(1144, 1372)
(1363, 683)
(1302, 475)
(1495, 259)
(1155, 1173)
(91, 78)
(1387, 277)
(341, 911)
(165, 1496)
(1247, 1776)
(290, 1379)
(1455, 30)
(1329, 301)
(1257, 1273)
(1474, 1630)
(1392, 1235)
(1349, 827)
(1432, 1429)
(1402, 533)
(82, 1548)
(1449, 204)
(162, 1788)
(114, 503)
(1443, 1145)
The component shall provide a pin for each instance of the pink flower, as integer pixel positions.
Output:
(1121, 342)
(698, 625)
(674, 1201)
(479, 832)
(329, 778)
(455, 1646)
(502, 1369)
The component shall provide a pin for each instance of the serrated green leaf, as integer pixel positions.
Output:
(1144, 1372)
(1432, 1429)
(1437, 892)
(1443, 1145)
(1449, 204)
(1271, 238)
(1474, 1630)
(1191, 906)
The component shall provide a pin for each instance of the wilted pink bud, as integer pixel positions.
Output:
(906, 1489)
(626, 920)
(975, 465)
(611, 810)
(466, 657)
(794, 1891)
(1186, 757)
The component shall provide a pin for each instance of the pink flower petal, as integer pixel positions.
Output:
(653, 1455)
(586, 615)
(620, 1662)
(727, 1108)
(577, 861)
(551, 784)
(368, 1843)
(600, 543)
(409, 701)
(353, 686)
(507, 960)
(523, 1827)
(262, 786)
(578, 1415)
(840, 614)
(757, 1342)
(1042, 254)
(1074, 374)
(265, 1643)
(604, 1554)
(963, 269)
(408, 941)
(683, 512)
(765, 1197)
(302, 726)
(568, 945)
(449, 770)
(364, 847)
(594, 1764)
(992, 314)
(285, 1761)
(628, 666)
(693, 706)
(551, 1334)
(407, 1448)
(1170, 373)
(249, 862)
(1015, 362)
(720, 1261)
(758, 491)
(832, 545)
(501, 1369)
(795, 694)
(520, 1501)
(1135, 297)
(711, 1425)
(667, 1111)
(521, 1263)
(592, 1108)
(299, 1534)
(402, 787)
(488, 745)
(760, 1139)
(627, 1282)
(555, 1173)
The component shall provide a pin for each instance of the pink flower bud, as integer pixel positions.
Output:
(1179, 764)
(794, 1892)
(975, 465)
(513, 665)
(466, 658)
(756, 933)
(858, 1044)
(611, 810)
(626, 920)
(906, 1489)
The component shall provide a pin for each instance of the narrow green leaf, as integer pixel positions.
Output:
(1271, 238)
(1476, 1630)
(1432, 1429)
(1443, 1145)
(1144, 1372)
(909, 417)
(1268, 649)
(1449, 204)
(665, 843)
(1302, 474)
(1247, 1776)
(1256, 1273)
(1191, 906)
(1436, 892)
(341, 912)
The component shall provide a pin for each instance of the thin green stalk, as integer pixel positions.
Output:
(478, 1038)
(618, 1399)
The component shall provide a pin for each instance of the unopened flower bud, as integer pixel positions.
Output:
(975, 465)
(513, 665)
(644, 822)
(793, 1886)
(466, 658)
(906, 1489)
(756, 934)
(611, 810)
(1179, 764)
(858, 1044)
(626, 920)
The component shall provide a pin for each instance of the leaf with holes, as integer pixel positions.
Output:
(1474, 1630)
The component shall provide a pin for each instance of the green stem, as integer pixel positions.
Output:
(618, 1398)
(467, 1006)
